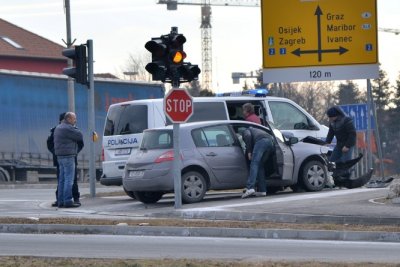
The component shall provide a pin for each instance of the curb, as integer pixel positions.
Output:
(277, 217)
(201, 232)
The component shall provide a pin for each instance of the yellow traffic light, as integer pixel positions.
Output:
(178, 56)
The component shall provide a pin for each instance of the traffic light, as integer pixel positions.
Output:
(168, 57)
(188, 72)
(176, 53)
(79, 71)
(158, 47)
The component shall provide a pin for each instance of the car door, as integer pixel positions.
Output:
(284, 153)
(282, 159)
(223, 155)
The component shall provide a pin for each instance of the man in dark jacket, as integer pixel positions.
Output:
(343, 128)
(259, 145)
(66, 138)
(50, 147)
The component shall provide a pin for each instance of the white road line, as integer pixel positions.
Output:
(287, 199)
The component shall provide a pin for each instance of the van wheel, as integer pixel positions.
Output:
(148, 197)
(194, 187)
(129, 193)
(314, 176)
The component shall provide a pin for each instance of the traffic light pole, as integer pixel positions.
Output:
(91, 122)
(70, 82)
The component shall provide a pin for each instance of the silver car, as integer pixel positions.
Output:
(212, 158)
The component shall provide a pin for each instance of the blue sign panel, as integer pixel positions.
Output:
(358, 112)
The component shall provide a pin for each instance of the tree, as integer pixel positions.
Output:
(396, 95)
(381, 91)
(135, 67)
(194, 89)
(349, 93)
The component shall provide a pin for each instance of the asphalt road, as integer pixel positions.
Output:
(28, 201)
(137, 247)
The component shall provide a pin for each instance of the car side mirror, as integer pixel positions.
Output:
(293, 140)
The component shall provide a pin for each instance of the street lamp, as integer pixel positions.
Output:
(130, 74)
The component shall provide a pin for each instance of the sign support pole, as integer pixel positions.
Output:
(378, 139)
(369, 131)
(177, 167)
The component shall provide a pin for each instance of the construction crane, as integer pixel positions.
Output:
(206, 38)
(395, 31)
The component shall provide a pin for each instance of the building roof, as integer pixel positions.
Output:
(18, 42)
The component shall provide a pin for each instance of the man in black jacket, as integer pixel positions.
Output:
(50, 147)
(343, 128)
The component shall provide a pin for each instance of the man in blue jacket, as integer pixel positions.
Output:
(66, 138)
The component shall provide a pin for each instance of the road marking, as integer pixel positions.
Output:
(286, 199)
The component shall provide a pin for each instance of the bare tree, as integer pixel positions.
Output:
(135, 67)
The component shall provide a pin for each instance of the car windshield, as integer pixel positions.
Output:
(160, 139)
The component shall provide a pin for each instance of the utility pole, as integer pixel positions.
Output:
(71, 93)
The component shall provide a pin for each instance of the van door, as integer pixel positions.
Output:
(122, 134)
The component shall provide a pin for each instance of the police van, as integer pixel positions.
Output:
(126, 121)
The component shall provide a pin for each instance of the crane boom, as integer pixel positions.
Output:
(395, 31)
(244, 3)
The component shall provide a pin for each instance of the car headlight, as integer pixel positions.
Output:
(324, 149)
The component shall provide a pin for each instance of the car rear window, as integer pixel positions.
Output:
(157, 140)
(126, 119)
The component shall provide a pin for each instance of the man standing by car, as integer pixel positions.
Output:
(66, 138)
(259, 146)
(343, 128)
(50, 147)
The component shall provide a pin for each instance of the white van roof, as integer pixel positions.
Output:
(207, 99)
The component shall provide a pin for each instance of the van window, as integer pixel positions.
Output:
(126, 119)
(286, 116)
(206, 111)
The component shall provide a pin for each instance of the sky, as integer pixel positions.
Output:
(119, 28)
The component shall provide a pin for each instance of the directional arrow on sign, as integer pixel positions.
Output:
(341, 50)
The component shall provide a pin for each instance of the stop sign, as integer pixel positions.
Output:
(178, 105)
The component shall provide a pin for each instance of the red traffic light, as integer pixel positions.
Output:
(177, 40)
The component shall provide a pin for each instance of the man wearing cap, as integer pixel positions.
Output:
(343, 128)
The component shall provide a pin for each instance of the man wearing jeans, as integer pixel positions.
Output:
(343, 128)
(259, 145)
(66, 138)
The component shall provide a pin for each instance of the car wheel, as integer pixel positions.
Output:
(4, 176)
(314, 176)
(148, 197)
(194, 187)
(129, 193)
